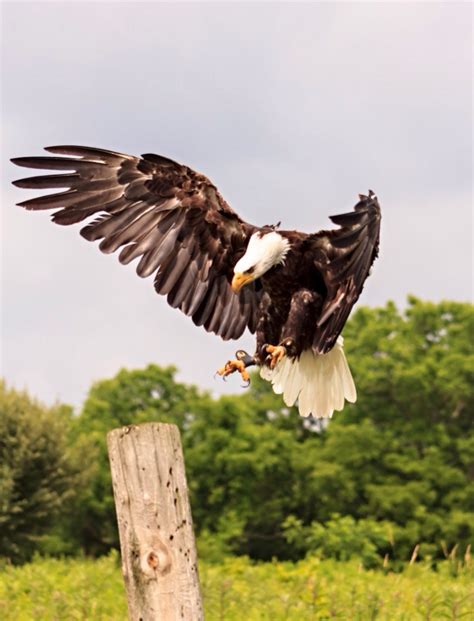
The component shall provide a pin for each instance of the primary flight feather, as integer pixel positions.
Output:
(294, 290)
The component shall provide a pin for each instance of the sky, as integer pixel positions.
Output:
(290, 108)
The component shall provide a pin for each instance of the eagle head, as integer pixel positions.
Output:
(264, 251)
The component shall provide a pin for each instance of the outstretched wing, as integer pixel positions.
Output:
(169, 216)
(344, 258)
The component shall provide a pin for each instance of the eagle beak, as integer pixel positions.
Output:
(240, 280)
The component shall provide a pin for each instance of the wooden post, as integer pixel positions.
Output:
(159, 560)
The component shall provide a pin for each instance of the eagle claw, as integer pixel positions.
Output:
(235, 365)
(276, 354)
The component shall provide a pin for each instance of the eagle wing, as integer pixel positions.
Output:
(344, 257)
(170, 217)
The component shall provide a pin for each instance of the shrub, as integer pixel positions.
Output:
(37, 471)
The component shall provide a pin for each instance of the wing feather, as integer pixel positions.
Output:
(201, 315)
(169, 217)
(344, 257)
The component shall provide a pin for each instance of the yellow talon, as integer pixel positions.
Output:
(277, 352)
(234, 365)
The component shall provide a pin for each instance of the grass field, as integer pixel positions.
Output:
(238, 590)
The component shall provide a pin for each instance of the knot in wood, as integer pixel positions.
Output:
(153, 560)
(156, 561)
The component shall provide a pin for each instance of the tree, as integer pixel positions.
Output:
(246, 475)
(131, 397)
(397, 468)
(402, 457)
(38, 473)
(404, 454)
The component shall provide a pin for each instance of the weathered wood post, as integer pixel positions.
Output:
(159, 560)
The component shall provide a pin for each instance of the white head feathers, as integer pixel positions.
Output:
(263, 252)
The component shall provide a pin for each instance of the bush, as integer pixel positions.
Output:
(342, 538)
(238, 589)
(37, 471)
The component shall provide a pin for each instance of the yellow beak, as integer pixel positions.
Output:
(240, 280)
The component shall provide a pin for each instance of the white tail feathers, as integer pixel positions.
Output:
(320, 382)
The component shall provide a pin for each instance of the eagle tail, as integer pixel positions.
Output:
(320, 382)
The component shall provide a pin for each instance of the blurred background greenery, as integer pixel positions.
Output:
(389, 479)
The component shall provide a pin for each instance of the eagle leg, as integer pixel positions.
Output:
(276, 353)
(243, 360)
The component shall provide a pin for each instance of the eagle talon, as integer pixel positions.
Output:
(276, 354)
(234, 365)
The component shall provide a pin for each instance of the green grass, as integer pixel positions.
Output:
(236, 589)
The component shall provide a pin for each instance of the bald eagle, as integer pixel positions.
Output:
(293, 290)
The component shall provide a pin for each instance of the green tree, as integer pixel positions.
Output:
(246, 475)
(396, 468)
(415, 376)
(38, 471)
(402, 456)
(131, 397)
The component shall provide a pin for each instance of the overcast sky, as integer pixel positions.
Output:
(291, 109)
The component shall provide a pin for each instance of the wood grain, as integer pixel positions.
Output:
(159, 560)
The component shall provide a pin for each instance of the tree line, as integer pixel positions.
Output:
(391, 472)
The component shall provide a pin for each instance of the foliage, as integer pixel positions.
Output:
(38, 471)
(394, 471)
(342, 538)
(397, 468)
(130, 397)
(307, 590)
